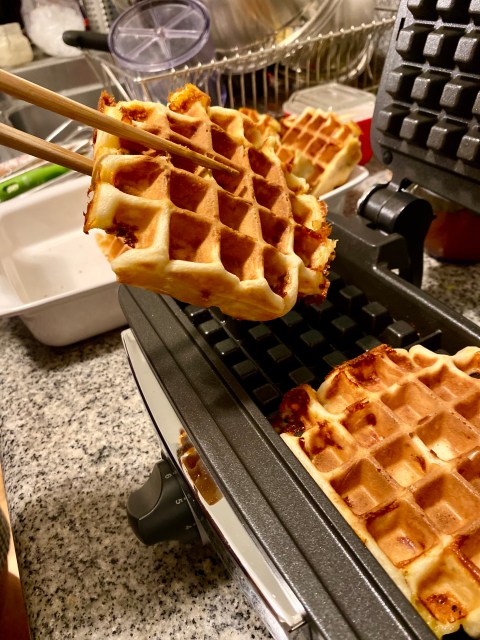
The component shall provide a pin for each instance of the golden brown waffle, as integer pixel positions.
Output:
(393, 439)
(249, 244)
(266, 124)
(110, 246)
(191, 462)
(320, 148)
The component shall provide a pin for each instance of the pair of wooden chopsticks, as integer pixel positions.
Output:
(41, 97)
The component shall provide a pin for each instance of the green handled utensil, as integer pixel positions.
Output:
(28, 180)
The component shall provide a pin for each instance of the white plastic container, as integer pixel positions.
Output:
(15, 48)
(52, 275)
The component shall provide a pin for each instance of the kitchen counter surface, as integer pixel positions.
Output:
(75, 440)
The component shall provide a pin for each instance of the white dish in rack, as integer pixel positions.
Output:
(53, 275)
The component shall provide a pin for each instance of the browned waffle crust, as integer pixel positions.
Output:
(393, 439)
(266, 124)
(249, 244)
(316, 145)
(203, 483)
(320, 148)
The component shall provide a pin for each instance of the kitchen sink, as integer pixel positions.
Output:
(40, 122)
(58, 74)
(71, 77)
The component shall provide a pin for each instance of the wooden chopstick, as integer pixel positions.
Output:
(26, 143)
(41, 97)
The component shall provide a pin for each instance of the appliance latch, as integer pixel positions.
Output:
(391, 208)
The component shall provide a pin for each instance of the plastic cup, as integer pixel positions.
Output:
(155, 36)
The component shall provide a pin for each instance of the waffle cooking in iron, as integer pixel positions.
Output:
(393, 439)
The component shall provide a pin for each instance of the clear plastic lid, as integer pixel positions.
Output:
(331, 96)
(156, 35)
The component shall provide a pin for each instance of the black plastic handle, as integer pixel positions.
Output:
(159, 510)
(86, 40)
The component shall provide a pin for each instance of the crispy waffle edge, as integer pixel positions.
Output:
(409, 483)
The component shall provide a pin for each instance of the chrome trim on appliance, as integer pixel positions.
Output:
(270, 595)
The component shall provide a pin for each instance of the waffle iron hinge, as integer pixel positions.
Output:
(393, 210)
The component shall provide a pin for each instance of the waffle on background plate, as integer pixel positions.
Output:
(393, 439)
(249, 244)
(316, 145)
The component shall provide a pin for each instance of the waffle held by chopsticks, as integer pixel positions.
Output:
(393, 439)
(249, 244)
(316, 145)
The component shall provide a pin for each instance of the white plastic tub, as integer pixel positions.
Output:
(52, 275)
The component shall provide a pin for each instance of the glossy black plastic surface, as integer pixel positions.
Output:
(426, 124)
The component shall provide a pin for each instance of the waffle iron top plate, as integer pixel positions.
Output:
(426, 120)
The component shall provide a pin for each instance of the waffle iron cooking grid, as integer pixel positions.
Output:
(223, 403)
(224, 383)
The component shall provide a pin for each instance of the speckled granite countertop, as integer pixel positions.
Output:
(75, 441)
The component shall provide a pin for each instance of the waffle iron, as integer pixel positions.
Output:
(211, 384)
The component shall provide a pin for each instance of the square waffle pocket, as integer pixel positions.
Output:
(249, 244)
(393, 439)
(320, 148)
(317, 146)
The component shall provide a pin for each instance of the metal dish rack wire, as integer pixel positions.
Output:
(264, 78)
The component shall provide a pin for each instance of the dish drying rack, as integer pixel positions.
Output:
(266, 76)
